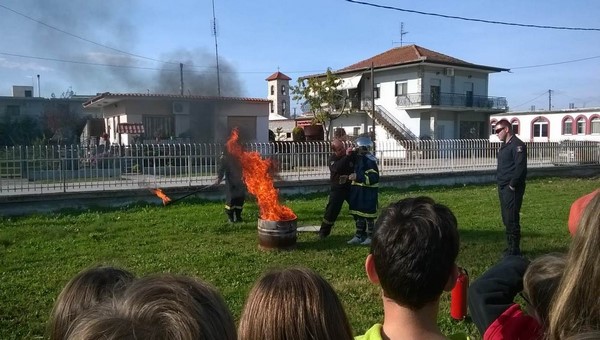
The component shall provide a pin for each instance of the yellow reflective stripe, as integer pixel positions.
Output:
(362, 214)
(376, 185)
(228, 207)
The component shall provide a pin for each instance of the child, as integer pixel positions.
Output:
(293, 303)
(87, 289)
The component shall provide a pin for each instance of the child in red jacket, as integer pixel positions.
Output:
(491, 297)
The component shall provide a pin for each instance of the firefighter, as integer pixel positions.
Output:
(230, 169)
(363, 190)
(340, 167)
(512, 170)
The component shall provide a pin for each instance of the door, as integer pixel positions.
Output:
(435, 91)
(468, 94)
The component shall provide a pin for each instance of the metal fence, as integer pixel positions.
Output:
(73, 168)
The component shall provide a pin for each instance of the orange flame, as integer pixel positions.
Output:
(158, 192)
(257, 176)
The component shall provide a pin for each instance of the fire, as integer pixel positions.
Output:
(257, 176)
(158, 192)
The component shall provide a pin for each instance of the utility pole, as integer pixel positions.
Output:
(39, 92)
(373, 98)
(181, 78)
(549, 100)
(216, 50)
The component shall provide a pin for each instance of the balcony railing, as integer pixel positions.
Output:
(451, 99)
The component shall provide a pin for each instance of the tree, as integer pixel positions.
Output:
(323, 97)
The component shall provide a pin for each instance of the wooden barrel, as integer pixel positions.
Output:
(277, 234)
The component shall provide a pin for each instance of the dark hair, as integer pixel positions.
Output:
(84, 291)
(293, 303)
(505, 123)
(414, 248)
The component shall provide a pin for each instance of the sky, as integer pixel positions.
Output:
(125, 46)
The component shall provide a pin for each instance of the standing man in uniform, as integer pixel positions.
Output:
(231, 170)
(340, 167)
(512, 170)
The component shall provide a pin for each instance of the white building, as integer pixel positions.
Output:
(542, 126)
(418, 93)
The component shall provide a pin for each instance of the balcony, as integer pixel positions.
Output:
(451, 100)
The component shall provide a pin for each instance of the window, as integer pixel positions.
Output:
(283, 90)
(28, 93)
(493, 126)
(13, 110)
(581, 125)
(272, 107)
(272, 90)
(595, 123)
(356, 131)
(376, 91)
(515, 126)
(283, 107)
(567, 126)
(401, 87)
(540, 128)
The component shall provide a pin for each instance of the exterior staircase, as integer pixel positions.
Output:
(391, 124)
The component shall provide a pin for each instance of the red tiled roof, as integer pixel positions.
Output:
(278, 75)
(108, 95)
(410, 54)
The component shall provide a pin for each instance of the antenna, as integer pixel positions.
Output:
(402, 33)
(214, 24)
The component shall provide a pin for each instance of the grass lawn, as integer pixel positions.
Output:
(39, 254)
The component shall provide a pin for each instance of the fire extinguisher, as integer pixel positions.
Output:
(458, 296)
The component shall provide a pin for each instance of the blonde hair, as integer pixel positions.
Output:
(293, 303)
(84, 291)
(540, 282)
(575, 308)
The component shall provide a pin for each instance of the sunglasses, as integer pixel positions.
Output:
(499, 129)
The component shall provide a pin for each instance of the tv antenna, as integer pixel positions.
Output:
(402, 33)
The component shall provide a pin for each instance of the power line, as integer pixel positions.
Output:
(476, 20)
(529, 101)
(140, 67)
(557, 63)
(84, 39)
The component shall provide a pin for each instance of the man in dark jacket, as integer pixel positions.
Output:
(230, 169)
(512, 170)
(340, 167)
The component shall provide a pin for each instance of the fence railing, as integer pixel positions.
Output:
(76, 168)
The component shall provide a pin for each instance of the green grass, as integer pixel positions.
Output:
(40, 253)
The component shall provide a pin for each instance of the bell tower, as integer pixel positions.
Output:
(278, 87)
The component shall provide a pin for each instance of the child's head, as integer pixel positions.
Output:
(540, 282)
(293, 303)
(180, 307)
(84, 291)
(413, 252)
(575, 306)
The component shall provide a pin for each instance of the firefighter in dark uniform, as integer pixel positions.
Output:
(363, 190)
(230, 169)
(512, 170)
(340, 167)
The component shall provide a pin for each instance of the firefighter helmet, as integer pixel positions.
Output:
(364, 144)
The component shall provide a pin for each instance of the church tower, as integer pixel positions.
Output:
(278, 85)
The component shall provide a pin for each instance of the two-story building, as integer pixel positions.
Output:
(411, 92)
(578, 124)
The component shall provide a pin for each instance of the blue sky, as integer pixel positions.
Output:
(256, 38)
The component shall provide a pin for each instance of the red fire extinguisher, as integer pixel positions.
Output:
(458, 296)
